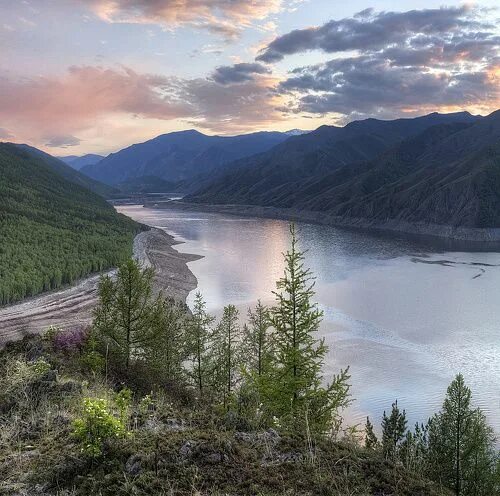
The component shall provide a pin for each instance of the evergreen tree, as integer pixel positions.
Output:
(295, 393)
(413, 451)
(257, 341)
(371, 441)
(393, 432)
(123, 316)
(165, 350)
(461, 445)
(198, 335)
(226, 355)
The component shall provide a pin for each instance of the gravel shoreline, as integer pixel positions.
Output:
(73, 305)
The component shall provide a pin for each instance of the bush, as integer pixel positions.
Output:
(96, 426)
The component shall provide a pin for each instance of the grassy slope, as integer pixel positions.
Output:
(173, 449)
(52, 231)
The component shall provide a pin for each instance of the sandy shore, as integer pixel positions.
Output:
(73, 305)
(471, 238)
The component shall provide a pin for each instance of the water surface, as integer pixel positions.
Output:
(406, 317)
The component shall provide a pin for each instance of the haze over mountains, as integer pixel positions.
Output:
(180, 155)
(77, 162)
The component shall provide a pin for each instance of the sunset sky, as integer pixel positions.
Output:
(81, 76)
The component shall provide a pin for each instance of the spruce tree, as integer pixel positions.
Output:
(393, 432)
(461, 445)
(295, 394)
(123, 316)
(371, 441)
(198, 335)
(226, 355)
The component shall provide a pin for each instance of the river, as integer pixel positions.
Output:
(405, 316)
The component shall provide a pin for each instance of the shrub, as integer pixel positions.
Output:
(96, 426)
(70, 340)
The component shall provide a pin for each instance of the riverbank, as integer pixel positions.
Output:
(73, 306)
(484, 239)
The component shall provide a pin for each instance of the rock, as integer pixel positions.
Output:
(173, 424)
(215, 458)
(133, 465)
(186, 449)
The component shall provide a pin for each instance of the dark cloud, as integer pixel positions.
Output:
(372, 31)
(62, 141)
(238, 73)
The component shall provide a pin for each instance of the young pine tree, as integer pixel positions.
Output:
(371, 441)
(198, 335)
(296, 395)
(123, 315)
(393, 432)
(226, 355)
(257, 341)
(461, 444)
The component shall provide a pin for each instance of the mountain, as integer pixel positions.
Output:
(179, 156)
(77, 162)
(448, 175)
(53, 230)
(257, 179)
(146, 184)
(67, 172)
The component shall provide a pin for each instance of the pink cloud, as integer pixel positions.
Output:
(224, 16)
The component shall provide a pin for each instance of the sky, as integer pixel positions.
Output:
(94, 76)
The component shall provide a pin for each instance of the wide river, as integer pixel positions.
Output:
(406, 317)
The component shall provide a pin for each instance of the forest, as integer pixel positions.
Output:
(153, 398)
(52, 231)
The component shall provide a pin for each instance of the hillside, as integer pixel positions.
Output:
(254, 180)
(446, 175)
(67, 172)
(53, 230)
(179, 156)
(76, 162)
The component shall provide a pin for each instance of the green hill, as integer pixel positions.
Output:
(52, 231)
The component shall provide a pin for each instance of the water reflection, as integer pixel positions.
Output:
(405, 316)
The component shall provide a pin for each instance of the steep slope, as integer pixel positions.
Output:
(179, 156)
(67, 172)
(53, 231)
(254, 180)
(76, 162)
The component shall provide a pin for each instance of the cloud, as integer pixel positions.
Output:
(238, 73)
(62, 141)
(5, 135)
(388, 64)
(226, 17)
(89, 98)
(371, 31)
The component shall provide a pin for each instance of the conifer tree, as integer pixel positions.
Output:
(123, 316)
(257, 341)
(296, 394)
(198, 335)
(226, 355)
(371, 441)
(393, 432)
(165, 351)
(461, 445)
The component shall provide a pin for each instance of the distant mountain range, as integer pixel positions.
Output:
(76, 162)
(439, 169)
(180, 156)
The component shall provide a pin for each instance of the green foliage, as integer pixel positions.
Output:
(371, 441)
(53, 231)
(198, 346)
(97, 425)
(294, 392)
(461, 445)
(393, 432)
(226, 356)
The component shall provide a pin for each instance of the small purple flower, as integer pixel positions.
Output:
(72, 339)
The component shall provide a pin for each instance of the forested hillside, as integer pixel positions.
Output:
(52, 231)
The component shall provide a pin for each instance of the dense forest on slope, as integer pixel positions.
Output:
(68, 172)
(52, 231)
